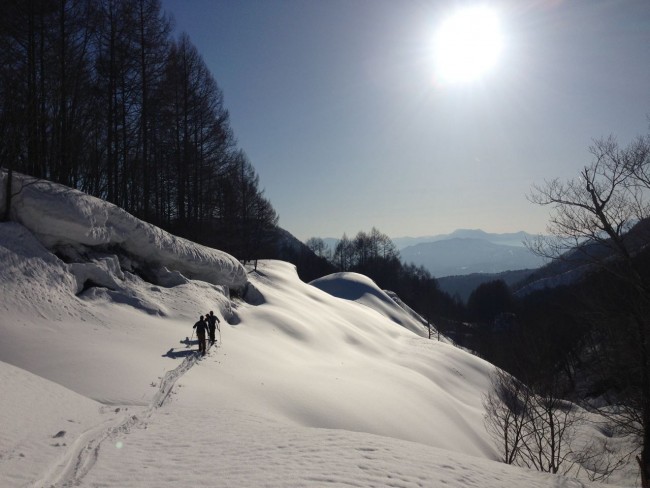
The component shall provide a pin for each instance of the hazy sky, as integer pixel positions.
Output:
(337, 105)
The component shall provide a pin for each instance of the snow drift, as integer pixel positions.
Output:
(361, 289)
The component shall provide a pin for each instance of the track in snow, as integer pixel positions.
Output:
(83, 453)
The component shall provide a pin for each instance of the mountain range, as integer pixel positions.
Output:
(516, 239)
(464, 256)
(465, 252)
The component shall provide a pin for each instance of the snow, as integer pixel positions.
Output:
(360, 288)
(306, 388)
(61, 217)
(39, 420)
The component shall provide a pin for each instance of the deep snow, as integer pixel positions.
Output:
(305, 388)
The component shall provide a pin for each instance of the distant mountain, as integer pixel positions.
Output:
(516, 239)
(463, 256)
(290, 248)
(577, 263)
(331, 242)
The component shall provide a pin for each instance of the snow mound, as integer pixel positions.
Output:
(105, 272)
(302, 356)
(60, 216)
(361, 289)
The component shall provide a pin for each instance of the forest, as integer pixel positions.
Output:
(101, 96)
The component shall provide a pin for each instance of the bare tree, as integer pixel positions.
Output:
(319, 247)
(344, 253)
(533, 426)
(601, 219)
(507, 406)
(550, 432)
(598, 459)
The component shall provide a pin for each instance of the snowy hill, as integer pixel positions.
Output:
(361, 289)
(305, 388)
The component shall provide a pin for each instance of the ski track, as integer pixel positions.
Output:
(82, 456)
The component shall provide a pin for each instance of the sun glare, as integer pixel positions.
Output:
(467, 44)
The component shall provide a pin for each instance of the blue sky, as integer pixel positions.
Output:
(337, 106)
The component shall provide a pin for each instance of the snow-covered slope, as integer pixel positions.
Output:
(334, 363)
(305, 388)
(40, 420)
(106, 344)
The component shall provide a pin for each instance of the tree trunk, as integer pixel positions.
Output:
(5, 217)
(62, 171)
(643, 467)
(32, 98)
(144, 117)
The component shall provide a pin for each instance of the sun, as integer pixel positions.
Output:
(467, 44)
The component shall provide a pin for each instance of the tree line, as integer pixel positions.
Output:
(100, 96)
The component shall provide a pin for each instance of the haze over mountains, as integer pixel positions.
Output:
(465, 252)
(516, 239)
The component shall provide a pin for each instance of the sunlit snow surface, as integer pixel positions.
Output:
(101, 389)
(360, 288)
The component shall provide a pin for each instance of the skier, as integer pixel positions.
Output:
(200, 327)
(212, 324)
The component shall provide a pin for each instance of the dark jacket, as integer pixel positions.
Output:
(200, 327)
(212, 321)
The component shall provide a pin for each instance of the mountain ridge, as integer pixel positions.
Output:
(509, 238)
(517, 238)
(463, 256)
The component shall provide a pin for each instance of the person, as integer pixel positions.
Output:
(212, 324)
(200, 327)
